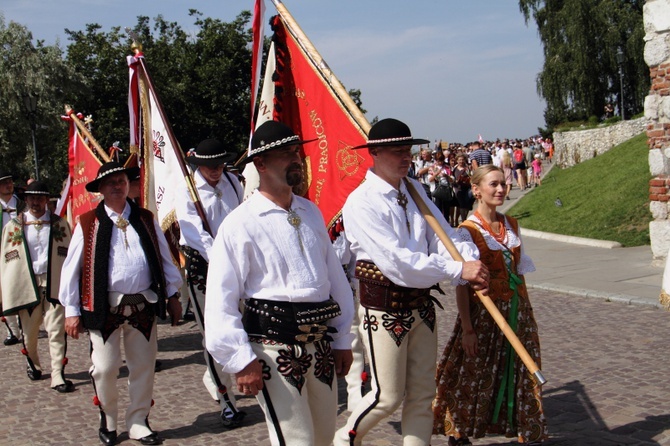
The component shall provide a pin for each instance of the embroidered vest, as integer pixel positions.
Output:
(495, 261)
(17, 279)
(97, 230)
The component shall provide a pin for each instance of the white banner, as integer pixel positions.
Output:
(162, 168)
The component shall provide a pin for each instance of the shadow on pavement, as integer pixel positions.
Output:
(210, 423)
(571, 407)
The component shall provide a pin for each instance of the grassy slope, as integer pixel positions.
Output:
(605, 198)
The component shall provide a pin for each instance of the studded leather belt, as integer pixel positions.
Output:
(289, 323)
(377, 292)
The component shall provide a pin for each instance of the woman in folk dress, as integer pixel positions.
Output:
(482, 385)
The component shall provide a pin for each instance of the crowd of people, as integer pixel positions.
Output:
(289, 310)
(444, 170)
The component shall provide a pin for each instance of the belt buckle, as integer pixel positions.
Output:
(312, 332)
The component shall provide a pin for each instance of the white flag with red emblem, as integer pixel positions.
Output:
(161, 167)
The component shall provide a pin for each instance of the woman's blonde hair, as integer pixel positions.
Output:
(479, 174)
(506, 159)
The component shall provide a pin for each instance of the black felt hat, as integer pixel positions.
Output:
(5, 174)
(110, 168)
(211, 153)
(272, 135)
(391, 132)
(37, 188)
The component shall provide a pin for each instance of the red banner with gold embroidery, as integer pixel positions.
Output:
(84, 167)
(305, 102)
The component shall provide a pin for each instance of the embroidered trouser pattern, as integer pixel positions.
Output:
(402, 350)
(355, 377)
(140, 358)
(299, 399)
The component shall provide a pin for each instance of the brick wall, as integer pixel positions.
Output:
(656, 16)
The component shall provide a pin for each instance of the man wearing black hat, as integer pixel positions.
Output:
(34, 246)
(220, 192)
(399, 259)
(273, 254)
(117, 277)
(11, 206)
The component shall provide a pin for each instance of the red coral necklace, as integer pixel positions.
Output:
(500, 235)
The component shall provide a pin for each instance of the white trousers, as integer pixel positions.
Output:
(217, 383)
(299, 400)
(355, 379)
(402, 351)
(53, 316)
(140, 359)
(12, 326)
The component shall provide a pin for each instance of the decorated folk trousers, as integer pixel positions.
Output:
(299, 398)
(402, 350)
(53, 316)
(356, 378)
(140, 358)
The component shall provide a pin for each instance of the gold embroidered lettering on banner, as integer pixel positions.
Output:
(348, 161)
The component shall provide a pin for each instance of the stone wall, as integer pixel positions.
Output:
(657, 109)
(574, 147)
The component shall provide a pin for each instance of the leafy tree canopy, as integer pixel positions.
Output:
(581, 72)
(40, 72)
(203, 78)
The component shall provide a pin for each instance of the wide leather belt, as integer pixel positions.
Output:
(377, 292)
(289, 323)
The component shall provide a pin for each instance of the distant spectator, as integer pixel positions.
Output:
(520, 167)
(609, 110)
(508, 172)
(440, 175)
(462, 188)
(537, 170)
(479, 156)
(548, 148)
(422, 166)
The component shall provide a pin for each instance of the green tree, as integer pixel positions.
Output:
(581, 39)
(203, 79)
(355, 94)
(38, 71)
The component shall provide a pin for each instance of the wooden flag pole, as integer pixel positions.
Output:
(341, 93)
(486, 300)
(82, 128)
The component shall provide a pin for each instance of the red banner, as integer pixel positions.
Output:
(306, 103)
(84, 167)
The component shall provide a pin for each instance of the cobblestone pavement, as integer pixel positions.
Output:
(606, 363)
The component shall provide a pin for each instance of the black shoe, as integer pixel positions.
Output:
(11, 340)
(150, 439)
(65, 388)
(34, 375)
(232, 421)
(189, 316)
(107, 437)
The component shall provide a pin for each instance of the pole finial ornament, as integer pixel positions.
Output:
(136, 46)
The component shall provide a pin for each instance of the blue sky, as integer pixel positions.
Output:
(450, 69)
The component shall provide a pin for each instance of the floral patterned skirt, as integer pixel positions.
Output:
(467, 388)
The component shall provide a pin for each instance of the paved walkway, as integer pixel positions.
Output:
(606, 364)
(605, 356)
(580, 267)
